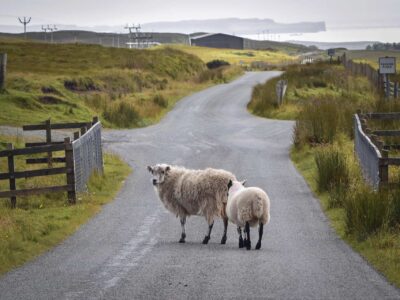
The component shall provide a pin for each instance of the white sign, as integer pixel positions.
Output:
(387, 65)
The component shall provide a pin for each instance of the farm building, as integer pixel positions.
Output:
(218, 40)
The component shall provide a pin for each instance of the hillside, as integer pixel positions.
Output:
(119, 40)
(125, 87)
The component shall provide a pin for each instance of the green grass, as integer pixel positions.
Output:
(308, 83)
(372, 58)
(381, 248)
(41, 222)
(235, 57)
(74, 82)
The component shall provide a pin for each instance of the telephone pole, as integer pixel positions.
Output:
(25, 22)
(45, 33)
(51, 29)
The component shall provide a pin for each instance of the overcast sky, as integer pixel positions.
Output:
(336, 13)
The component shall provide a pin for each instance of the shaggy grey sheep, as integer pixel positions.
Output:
(246, 208)
(187, 192)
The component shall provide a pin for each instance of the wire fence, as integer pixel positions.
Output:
(88, 156)
(368, 154)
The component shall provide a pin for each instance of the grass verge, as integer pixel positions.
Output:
(41, 222)
(381, 248)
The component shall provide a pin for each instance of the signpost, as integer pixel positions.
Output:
(331, 53)
(387, 66)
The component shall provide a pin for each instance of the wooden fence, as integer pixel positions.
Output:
(390, 89)
(48, 148)
(371, 149)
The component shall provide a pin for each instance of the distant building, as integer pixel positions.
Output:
(218, 40)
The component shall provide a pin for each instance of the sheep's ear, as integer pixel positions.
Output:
(243, 182)
(168, 168)
(150, 169)
(230, 183)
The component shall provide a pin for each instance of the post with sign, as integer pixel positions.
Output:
(331, 53)
(387, 66)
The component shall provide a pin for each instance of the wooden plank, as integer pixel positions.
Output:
(11, 169)
(37, 144)
(393, 161)
(34, 173)
(3, 70)
(387, 132)
(45, 160)
(383, 116)
(36, 191)
(48, 141)
(69, 163)
(54, 126)
(32, 150)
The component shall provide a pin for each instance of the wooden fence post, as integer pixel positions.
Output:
(76, 135)
(3, 69)
(83, 130)
(69, 163)
(384, 167)
(396, 90)
(11, 171)
(48, 142)
(95, 120)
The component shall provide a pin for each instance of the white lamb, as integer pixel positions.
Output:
(246, 208)
(186, 192)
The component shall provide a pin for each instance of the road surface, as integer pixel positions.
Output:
(130, 250)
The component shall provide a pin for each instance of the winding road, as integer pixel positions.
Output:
(130, 249)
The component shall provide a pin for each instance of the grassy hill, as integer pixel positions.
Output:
(234, 56)
(126, 87)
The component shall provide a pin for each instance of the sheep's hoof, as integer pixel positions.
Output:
(248, 245)
(258, 246)
(206, 239)
(223, 240)
(241, 244)
(182, 240)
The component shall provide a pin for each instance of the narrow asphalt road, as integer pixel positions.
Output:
(130, 250)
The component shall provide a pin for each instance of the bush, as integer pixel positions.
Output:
(332, 170)
(217, 63)
(81, 84)
(366, 211)
(160, 100)
(122, 114)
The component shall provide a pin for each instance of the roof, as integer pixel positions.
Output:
(211, 34)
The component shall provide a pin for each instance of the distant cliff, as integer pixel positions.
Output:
(234, 26)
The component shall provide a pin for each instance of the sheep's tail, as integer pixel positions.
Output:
(260, 209)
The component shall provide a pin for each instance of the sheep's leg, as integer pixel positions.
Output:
(260, 234)
(183, 235)
(247, 234)
(208, 236)
(239, 230)
(223, 240)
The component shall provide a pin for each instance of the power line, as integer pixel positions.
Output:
(25, 22)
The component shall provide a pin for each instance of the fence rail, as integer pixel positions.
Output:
(81, 157)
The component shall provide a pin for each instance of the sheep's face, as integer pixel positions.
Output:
(234, 187)
(159, 173)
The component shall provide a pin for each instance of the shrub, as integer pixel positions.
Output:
(366, 211)
(320, 120)
(217, 63)
(160, 100)
(394, 209)
(122, 114)
(332, 170)
(81, 84)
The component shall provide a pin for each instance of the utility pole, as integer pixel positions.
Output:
(25, 22)
(51, 29)
(45, 33)
(118, 40)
